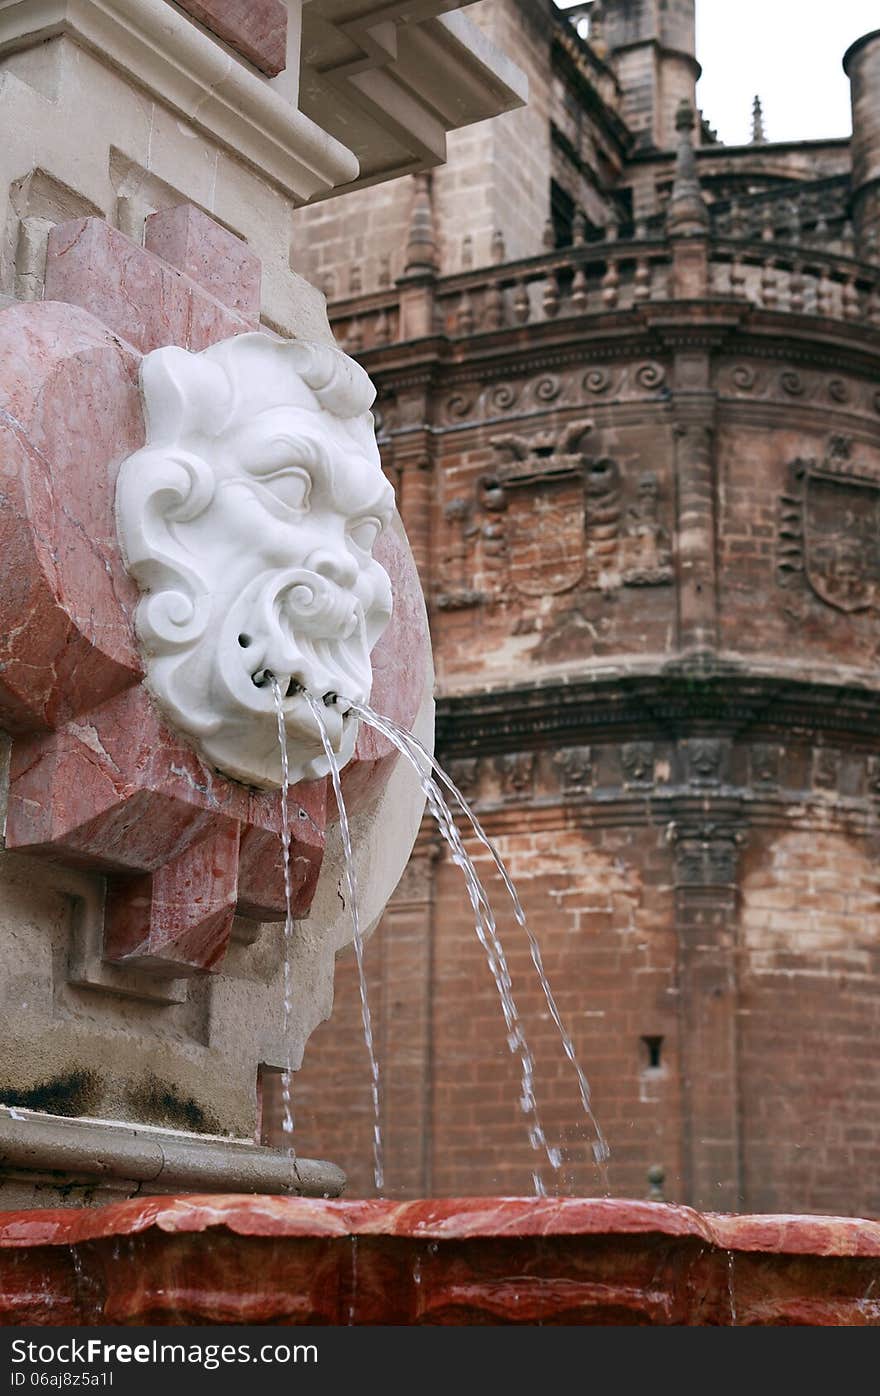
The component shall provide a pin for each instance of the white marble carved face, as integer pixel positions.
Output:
(249, 519)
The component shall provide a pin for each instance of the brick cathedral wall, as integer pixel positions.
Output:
(600, 903)
(765, 513)
(809, 1023)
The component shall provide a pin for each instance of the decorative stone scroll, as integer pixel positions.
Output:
(249, 519)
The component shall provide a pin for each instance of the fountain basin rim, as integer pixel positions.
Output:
(446, 1219)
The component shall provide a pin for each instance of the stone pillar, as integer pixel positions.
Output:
(412, 458)
(687, 216)
(862, 66)
(696, 502)
(706, 920)
(420, 269)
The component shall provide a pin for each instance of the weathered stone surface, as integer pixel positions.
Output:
(448, 1262)
(222, 264)
(398, 687)
(69, 397)
(142, 298)
(257, 29)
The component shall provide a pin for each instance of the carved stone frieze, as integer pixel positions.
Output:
(465, 773)
(766, 760)
(704, 760)
(637, 762)
(575, 766)
(796, 388)
(826, 768)
(646, 553)
(829, 530)
(472, 566)
(516, 773)
(641, 380)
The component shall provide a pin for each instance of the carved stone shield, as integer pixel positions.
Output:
(841, 539)
(545, 536)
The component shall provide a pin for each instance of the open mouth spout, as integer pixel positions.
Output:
(263, 678)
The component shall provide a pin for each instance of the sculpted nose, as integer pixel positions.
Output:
(336, 564)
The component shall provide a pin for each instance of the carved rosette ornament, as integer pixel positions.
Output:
(249, 519)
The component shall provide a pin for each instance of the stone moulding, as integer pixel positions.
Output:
(249, 519)
(97, 1154)
(163, 51)
(459, 1261)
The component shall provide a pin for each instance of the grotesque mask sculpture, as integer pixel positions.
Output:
(249, 519)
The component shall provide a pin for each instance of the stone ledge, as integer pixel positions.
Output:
(447, 1261)
(394, 89)
(73, 1153)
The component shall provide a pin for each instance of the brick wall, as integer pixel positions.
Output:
(698, 863)
(776, 531)
(601, 907)
(810, 1014)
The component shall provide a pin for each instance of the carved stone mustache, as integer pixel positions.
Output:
(314, 605)
(314, 635)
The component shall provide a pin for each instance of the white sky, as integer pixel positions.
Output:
(787, 51)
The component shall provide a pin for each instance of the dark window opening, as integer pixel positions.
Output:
(653, 1049)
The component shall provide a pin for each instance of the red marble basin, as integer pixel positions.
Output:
(272, 1260)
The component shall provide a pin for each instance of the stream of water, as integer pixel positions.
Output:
(353, 906)
(409, 745)
(426, 768)
(487, 933)
(286, 1097)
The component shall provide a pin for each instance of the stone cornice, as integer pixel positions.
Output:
(719, 326)
(622, 703)
(162, 51)
(393, 78)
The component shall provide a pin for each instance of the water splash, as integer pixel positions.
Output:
(286, 1099)
(415, 749)
(318, 713)
(484, 924)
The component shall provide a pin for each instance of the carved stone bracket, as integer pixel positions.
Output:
(706, 852)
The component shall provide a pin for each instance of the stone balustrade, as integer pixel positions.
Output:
(618, 275)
